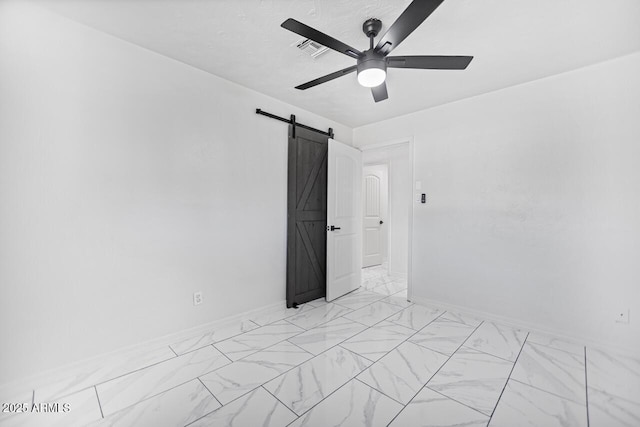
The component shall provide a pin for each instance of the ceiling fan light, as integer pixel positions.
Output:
(372, 77)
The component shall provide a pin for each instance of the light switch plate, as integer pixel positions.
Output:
(197, 298)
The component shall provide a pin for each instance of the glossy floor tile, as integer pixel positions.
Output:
(258, 408)
(467, 319)
(303, 387)
(280, 313)
(613, 373)
(330, 334)
(399, 299)
(431, 409)
(444, 336)
(551, 370)
(357, 300)
(608, 410)
(317, 302)
(613, 389)
(389, 288)
(497, 340)
(213, 336)
(353, 405)
(78, 409)
(473, 378)
(373, 313)
(556, 342)
(525, 406)
(132, 388)
(378, 340)
(244, 375)
(258, 339)
(102, 371)
(416, 317)
(318, 315)
(374, 282)
(374, 271)
(22, 398)
(403, 371)
(176, 407)
(366, 359)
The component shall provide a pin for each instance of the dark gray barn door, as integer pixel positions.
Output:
(306, 216)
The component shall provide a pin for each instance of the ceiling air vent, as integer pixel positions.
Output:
(313, 49)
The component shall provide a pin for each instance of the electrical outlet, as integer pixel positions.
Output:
(622, 316)
(197, 298)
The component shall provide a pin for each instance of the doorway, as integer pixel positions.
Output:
(387, 217)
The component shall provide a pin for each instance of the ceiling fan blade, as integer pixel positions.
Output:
(380, 92)
(430, 62)
(317, 36)
(409, 20)
(327, 78)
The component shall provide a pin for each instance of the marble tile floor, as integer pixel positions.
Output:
(357, 361)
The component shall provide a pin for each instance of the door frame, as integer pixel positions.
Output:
(412, 200)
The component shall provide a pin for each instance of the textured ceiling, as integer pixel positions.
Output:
(513, 41)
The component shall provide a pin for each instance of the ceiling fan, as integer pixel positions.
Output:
(373, 63)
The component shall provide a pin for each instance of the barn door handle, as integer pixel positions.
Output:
(333, 228)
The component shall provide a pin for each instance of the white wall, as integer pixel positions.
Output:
(127, 182)
(533, 206)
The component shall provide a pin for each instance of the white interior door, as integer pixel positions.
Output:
(344, 219)
(374, 188)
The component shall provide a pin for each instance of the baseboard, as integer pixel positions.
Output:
(520, 324)
(38, 380)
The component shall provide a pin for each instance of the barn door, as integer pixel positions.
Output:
(306, 216)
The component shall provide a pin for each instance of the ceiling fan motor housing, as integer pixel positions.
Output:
(371, 59)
